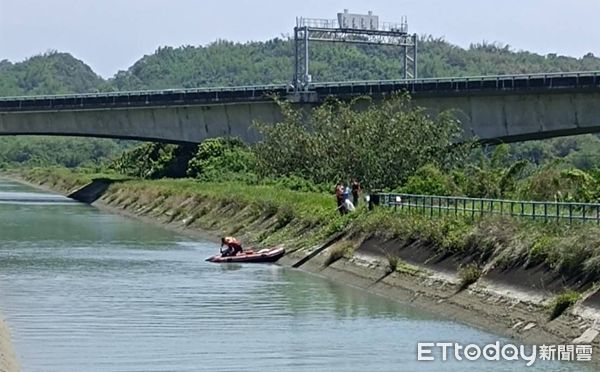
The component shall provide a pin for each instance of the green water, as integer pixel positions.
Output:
(85, 290)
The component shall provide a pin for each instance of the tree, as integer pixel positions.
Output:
(380, 143)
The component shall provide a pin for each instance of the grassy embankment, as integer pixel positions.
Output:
(568, 257)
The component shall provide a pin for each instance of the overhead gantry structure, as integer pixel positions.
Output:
(351, 28)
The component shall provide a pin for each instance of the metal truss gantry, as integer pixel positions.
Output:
(356, 29)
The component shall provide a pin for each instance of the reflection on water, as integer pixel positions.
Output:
(84, 290)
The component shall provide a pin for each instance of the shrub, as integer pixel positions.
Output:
(218, 156)
(429, 180)
(154, 160)
(562, 302)
(392, 262)
(468, 274)
(343, 249)
(296, 183)
(406, 268)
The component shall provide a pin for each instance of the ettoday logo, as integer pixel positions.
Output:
(498, 351)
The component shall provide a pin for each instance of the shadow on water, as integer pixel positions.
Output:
(300, 293)
(230, 266)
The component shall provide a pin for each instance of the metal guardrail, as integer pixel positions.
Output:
(591, 77)
(478, 207)
(244, 88)
(466, 85)
(573, 74)
(168, 97)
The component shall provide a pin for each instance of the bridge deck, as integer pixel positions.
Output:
(576, 81)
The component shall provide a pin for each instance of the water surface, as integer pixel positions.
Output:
(84, 290)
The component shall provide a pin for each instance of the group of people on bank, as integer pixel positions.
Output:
(343, 193)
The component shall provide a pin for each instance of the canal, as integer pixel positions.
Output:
(86, 290)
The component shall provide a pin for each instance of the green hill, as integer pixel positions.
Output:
(227, 63)
(224, 63)
(49, 73)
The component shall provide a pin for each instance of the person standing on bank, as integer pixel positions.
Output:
(339, 196)
(356, 191)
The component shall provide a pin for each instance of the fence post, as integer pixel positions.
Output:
(583, 212)
(431, 206)
(545, 212)
(522, 209)
(533, 208)
(570, 213)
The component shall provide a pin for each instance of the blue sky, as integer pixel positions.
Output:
(110, 35)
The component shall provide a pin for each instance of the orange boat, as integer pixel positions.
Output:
(264, 255)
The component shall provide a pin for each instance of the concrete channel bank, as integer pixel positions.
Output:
(508, 304)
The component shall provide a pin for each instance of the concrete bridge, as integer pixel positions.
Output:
(492, 108)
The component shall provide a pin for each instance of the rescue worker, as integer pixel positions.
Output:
(234, 246)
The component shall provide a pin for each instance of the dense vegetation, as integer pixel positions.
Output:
(391, 146)
(49, 151)
(228, 63)
(382, 144)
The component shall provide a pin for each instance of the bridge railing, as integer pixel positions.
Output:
(478, 207)
(558, 79)
(573, 81)
(457, 85)
(242, 88)
(574, 74)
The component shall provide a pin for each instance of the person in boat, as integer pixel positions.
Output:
(234, 246)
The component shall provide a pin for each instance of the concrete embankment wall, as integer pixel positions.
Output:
(501, 301)
(8, 360)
